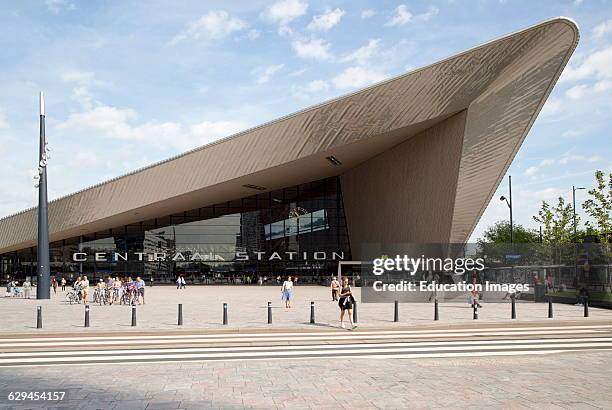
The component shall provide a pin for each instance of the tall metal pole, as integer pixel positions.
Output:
(43, 288)
(511, 221)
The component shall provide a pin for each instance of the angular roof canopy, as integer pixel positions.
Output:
(502, 85)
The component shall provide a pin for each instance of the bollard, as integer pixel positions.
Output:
(133, 315)
(475, 310)
(586, 306)
(39, 317)
(513, 314)
(436, 316)
(550, 308)
(225, 313)
(86, 315)
(269, 313)
(180, 314)
(312, 313)
(396, 312)
(354, 311)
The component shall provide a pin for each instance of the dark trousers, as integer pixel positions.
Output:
(334, 294)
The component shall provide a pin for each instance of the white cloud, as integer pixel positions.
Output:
(595, 66)
(364, 53)
(55, 6)
(431, 12)
(313, 87)
(404, 16)
(401, 16)
(85, 81)
(367, 13)
(552, 107)
(317, 49)
(284, 12)
(120, 123)
(567, 158)
(602, 29)
(564, 159)
(576, 92)
(264, 74)
(209, 131)
(327, 20)
(531, 171)
(253, 34)
(355, 77)
(298, 73)
(211, 26)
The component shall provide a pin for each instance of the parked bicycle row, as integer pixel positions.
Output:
(108, 291)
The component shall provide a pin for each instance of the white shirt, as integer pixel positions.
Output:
(287, 285)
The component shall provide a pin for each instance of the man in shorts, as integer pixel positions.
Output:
(140, 286)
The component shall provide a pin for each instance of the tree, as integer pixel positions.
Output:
(599, 207)
(558, 222)
(499, 232)
(495, 243)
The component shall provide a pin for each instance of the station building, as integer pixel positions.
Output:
(415, 158)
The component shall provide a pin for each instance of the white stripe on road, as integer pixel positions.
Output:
(311, 353)
(336, 336)
(465, 343)
(340, 356)
(334, 333)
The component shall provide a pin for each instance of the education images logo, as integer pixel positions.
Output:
(455, 267)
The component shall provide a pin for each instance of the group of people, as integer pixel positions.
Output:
(14, 290)
(340, 292)
(112, 290)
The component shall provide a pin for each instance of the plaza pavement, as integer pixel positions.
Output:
(563, 381)
(247, 308)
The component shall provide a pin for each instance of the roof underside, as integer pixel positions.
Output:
(502, 85)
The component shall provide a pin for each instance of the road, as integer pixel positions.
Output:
(180, 346)
(526, 365)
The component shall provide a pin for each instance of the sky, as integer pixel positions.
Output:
(130, 83)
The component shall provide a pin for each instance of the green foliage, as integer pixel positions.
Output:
(557, 222)
(500, 233)
(599, 207)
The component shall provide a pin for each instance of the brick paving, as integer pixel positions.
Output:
(563, 381)
(202, 307)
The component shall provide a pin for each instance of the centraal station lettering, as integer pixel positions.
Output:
(198, 257)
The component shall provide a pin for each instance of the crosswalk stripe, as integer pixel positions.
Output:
(516, 342)
(310, 353)
(268, 338)
(318, 333)
(376, 357)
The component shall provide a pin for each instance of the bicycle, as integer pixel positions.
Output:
(73, 296)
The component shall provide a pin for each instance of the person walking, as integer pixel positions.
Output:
(335, 288)
(140, 286)
(346, 303)
(180, 282)
(85, 288)
(78, 288)
(27, 289)
(63, 284)
(54, 284)
(287, 292)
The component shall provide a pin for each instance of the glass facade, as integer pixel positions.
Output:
(299, 231)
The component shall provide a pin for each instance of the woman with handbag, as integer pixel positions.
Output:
(346, 303)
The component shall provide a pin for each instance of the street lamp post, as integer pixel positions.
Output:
(43, 271)
(509, 203)
(574, 189)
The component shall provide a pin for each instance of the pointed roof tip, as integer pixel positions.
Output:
(42, 103)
